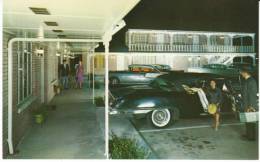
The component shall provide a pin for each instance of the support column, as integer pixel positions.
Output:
(253, 43)
(106, 44)
(88, 69)
(93, 78)
(208, 42)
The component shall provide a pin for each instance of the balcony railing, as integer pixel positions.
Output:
(190, 48)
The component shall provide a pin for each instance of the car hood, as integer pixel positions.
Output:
(124, 91)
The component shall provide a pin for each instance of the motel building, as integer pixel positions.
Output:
(42, 119)
(37, 37)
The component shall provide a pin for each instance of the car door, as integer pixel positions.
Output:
(189, 104)
(134, 75)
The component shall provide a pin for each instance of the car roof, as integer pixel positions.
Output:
(175, 75)
(140, 65)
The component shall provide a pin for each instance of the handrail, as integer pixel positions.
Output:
(190, 48)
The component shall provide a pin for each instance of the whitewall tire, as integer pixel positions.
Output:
(161, 118)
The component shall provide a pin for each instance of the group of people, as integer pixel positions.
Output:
(77, 74)
(249, 100)
(211, 99)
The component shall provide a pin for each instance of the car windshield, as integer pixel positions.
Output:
(164, 85)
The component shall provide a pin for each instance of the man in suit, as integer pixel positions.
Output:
(64, 72)
(249, 98)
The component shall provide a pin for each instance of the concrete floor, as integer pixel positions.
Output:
(195, 139)
(70, 132)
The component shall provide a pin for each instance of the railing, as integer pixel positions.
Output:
(190, 48)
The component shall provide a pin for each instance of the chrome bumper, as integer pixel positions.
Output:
(114, 112)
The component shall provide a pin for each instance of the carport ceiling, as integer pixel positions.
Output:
(76, 18)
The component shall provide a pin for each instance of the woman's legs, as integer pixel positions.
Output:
(80, 84)
(216, 122)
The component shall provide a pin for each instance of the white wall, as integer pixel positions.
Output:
(51, 71)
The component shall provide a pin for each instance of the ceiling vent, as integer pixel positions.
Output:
(57, 31)
(51, 23)
(40, 11)
(61, 36)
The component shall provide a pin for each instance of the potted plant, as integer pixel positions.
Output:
(99, 102)
(40, 115)
(125, 148)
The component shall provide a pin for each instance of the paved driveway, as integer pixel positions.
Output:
(195, 139)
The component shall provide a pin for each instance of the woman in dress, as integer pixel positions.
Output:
(214, 96)
(80, 71)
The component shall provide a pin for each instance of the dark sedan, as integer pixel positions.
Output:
(167, 99)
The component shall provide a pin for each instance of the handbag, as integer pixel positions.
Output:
(212, 108)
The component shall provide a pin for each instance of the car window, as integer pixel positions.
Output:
(147, 69)
(166, 85)
(135, 69)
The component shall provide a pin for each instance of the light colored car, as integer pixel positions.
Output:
(136, 74)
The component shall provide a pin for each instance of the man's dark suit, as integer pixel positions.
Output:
(249, 97)
(64, 70)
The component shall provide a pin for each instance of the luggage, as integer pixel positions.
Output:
(248, 117)
(251, 131)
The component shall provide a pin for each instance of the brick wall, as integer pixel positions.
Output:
(22, 122)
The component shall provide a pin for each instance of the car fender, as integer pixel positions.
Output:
(154, 103)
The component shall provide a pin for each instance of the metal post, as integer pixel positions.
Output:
(253, 43)
(106, 97)
(88, 70)
(93, 79)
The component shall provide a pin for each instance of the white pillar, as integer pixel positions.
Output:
(93, 79)
(106, 44)
(253, 43)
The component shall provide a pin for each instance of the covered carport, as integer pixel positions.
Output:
(71, 28)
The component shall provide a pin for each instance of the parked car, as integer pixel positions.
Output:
(215, 66)
(165, 100)
(218, 69)
(136, 74)
(163, 67)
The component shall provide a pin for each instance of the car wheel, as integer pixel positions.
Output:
(114, 81)
(160, 118)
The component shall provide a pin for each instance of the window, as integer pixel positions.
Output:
(24, 71)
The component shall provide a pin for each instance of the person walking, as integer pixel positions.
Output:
(80, 71)
(249, 99)
(64, 70)
(214, 96)
(76, 77)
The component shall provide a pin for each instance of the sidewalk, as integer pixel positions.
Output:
(70, 131)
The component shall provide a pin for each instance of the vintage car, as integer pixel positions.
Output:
(163, 67)
(136, 74)
(166, 100)
(218, 69)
